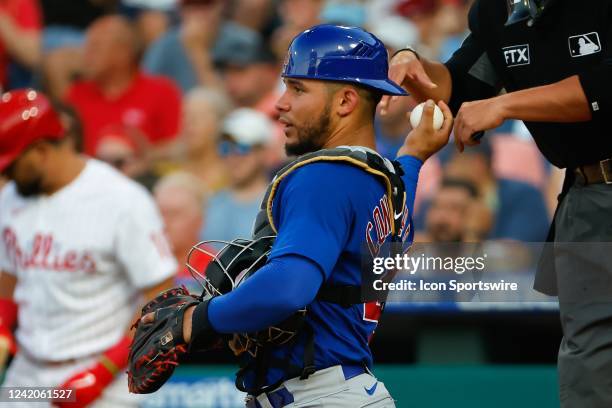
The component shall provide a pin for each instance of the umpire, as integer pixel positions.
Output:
(554, 60)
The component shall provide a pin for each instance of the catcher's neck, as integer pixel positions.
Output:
(361, 134)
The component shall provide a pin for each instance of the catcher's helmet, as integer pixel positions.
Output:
(337, 53)
(232, 265)
(26, 116)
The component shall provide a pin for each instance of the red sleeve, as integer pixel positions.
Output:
(26, 14)
(71, 96)
(169, 110)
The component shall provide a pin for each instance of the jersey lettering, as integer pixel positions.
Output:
(44, 254)
(379, 229)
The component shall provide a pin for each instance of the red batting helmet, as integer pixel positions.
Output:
(26, 116)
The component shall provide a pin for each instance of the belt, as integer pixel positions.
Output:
(596, 173)
(282, 397)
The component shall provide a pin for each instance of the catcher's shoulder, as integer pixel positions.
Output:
(327, 177)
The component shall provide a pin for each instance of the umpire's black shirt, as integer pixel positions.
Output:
(568, 38)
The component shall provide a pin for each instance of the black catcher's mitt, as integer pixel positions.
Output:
(158, 346)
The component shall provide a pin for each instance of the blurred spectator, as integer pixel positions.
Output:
(151, 17)
(121, 150)
(116, 94)
(423, 14)
(454, 19)
(257, 15)
(231, 212)
(185, 53)
(297, 15)
(180, 198)
(20, 25)
(118, 151)
(71, 121)
(435, 20)
(63, 37)
(250, 71)
(344, 12)
(518, 208)
(516, 155)
(379, 9)
(391, 129)
(395, 32)
(456, 215)
(196, 148)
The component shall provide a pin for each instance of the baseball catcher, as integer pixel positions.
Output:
(293, 300)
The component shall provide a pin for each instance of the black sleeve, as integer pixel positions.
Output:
(473, 75)
(597, 80)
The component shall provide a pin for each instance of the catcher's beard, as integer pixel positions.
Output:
(312, 136)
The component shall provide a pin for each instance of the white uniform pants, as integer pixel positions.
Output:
(327, 388)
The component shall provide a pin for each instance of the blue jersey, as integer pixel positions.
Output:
(327, 215)
(330, 213)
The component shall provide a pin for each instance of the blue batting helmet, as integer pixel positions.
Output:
(337, 53)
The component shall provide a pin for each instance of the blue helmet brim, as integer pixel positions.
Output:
(384, 86)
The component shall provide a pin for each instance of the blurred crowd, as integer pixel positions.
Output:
(180, 96)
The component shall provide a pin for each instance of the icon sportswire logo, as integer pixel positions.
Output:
(517, 55)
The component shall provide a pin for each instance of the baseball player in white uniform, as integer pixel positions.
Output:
(81, 248)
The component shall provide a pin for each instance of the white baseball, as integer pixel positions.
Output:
(415, 116)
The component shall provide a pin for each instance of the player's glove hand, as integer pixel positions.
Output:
(158, 344)
(87, 385)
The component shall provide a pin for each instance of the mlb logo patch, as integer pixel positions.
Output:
(517, 55)
(584, 44)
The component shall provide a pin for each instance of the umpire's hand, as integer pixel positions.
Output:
(406, 69)
(424, 141)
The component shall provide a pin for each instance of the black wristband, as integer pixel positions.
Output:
(203, 336)
(416, 54)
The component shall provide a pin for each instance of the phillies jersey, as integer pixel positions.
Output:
(81, 256)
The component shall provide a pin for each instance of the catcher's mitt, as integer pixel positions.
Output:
(158, 346)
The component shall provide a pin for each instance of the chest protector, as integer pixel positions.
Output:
(387, 172)
(241, 258)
